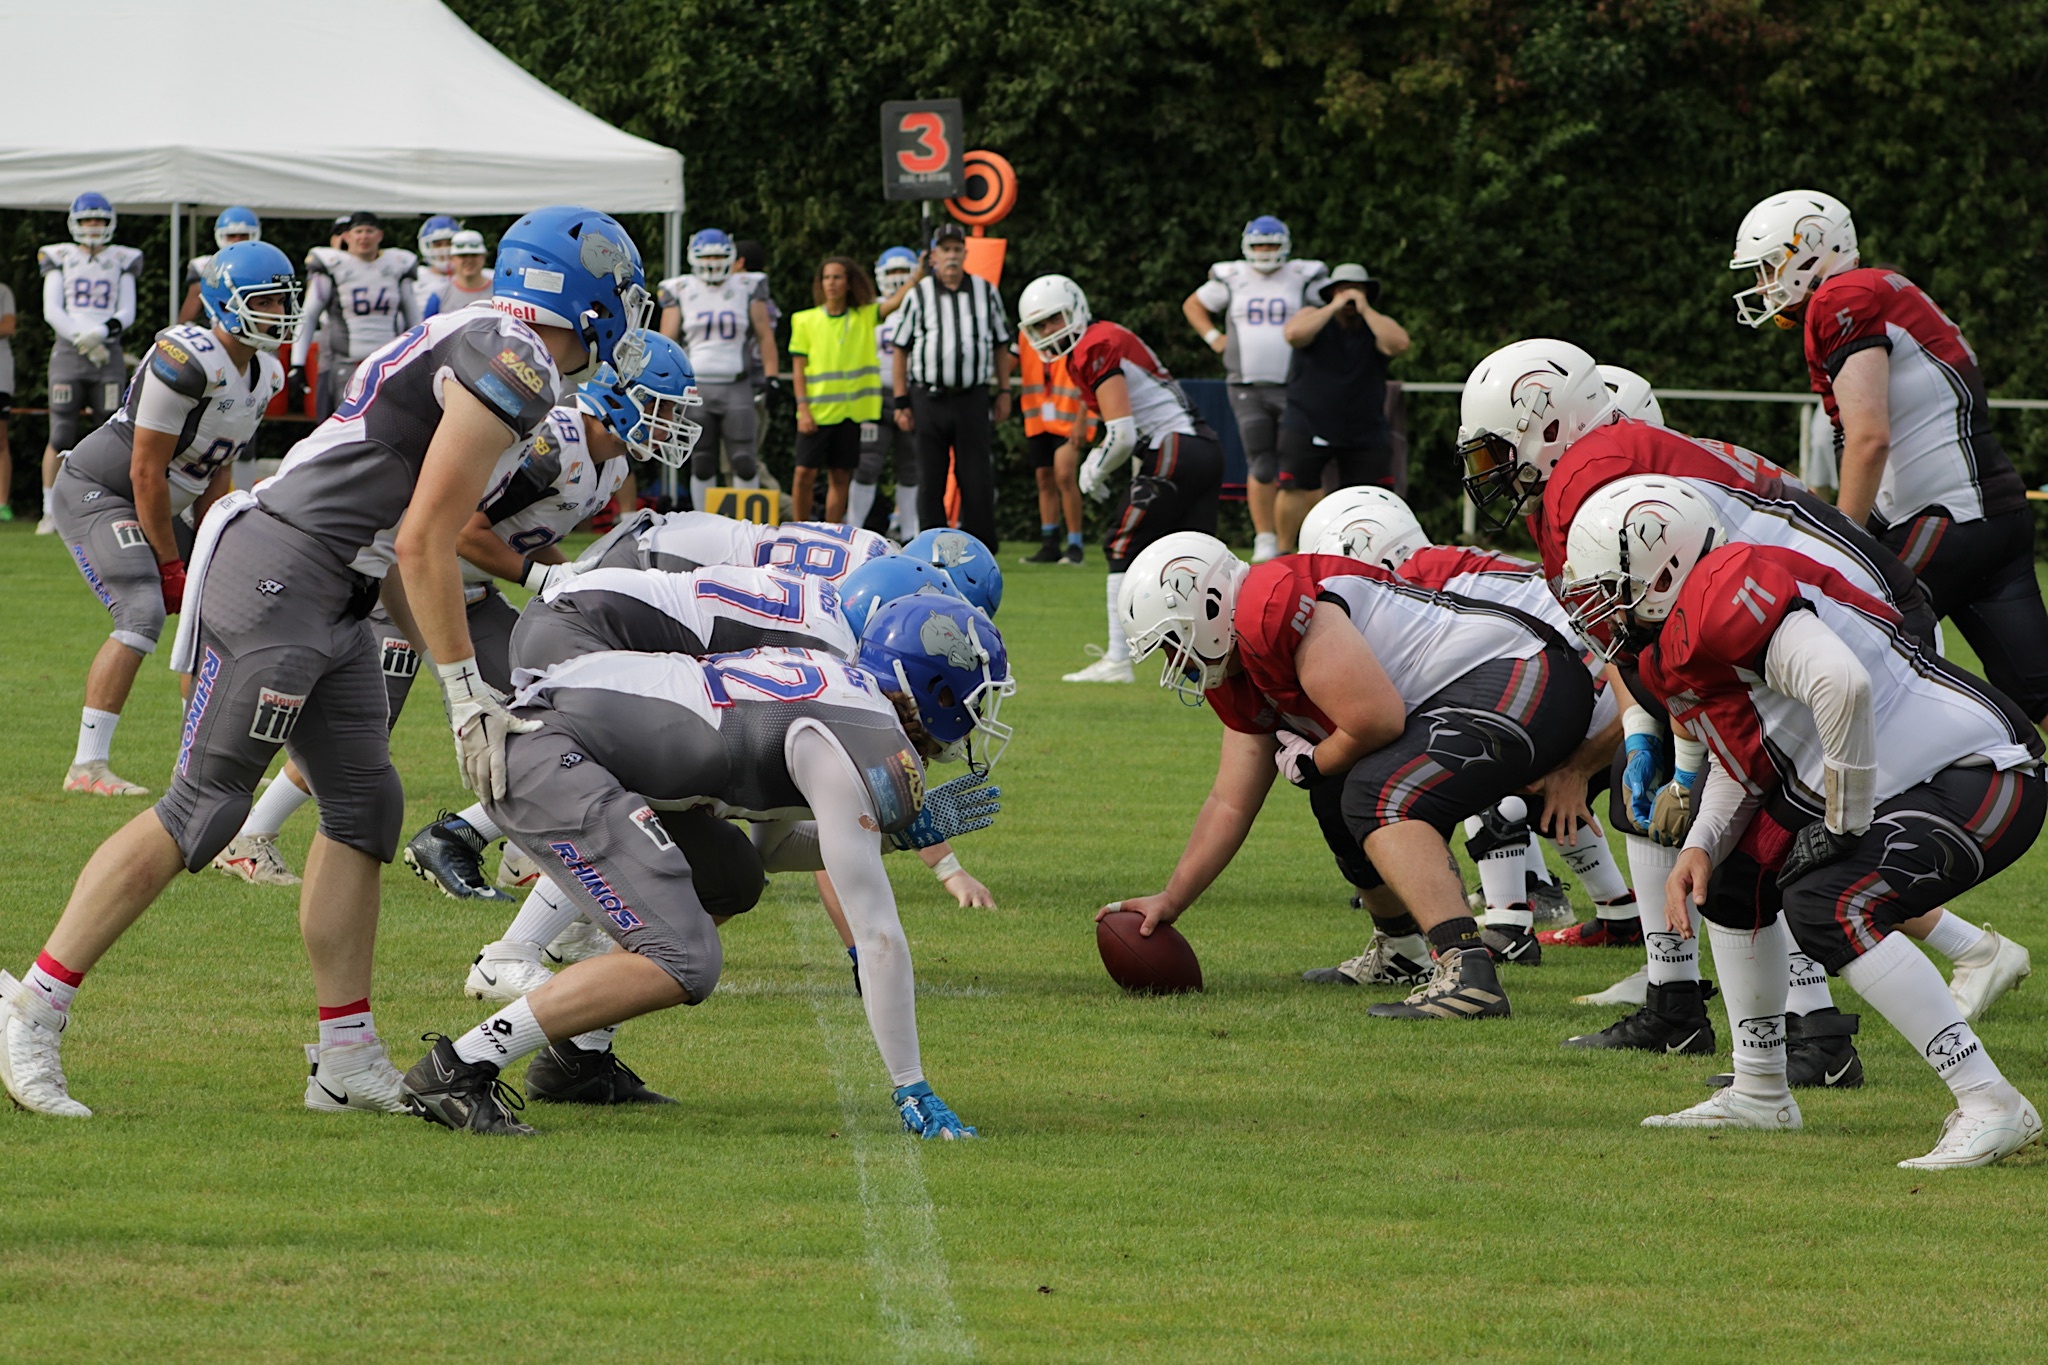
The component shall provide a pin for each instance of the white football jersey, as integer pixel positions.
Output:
(1426, 640)
(371, 297)
(715, 323)
(727, 606)
(568, 486)
(91, 282)
(1258, 304)
(682, 541)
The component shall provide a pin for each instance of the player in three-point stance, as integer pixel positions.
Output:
(1807, 830)
(1919, 461)
(88, 300)
(1401, 711)
(123, 493)
(273, 633)
(1147, 423)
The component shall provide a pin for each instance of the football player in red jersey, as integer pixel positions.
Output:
(1401, 711)
(1919, 461)
(1147, 423)
(1789, 670)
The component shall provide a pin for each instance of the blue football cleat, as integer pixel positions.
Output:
(926, 1115)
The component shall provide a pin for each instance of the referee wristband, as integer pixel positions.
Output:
(946, 866)
(1211, 335)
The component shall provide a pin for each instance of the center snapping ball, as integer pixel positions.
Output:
(1163, 964)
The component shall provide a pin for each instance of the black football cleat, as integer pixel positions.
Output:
(1048, 553)
(466, 1096)
(1465, 986)
(1818, 1053)
(1673, 1020)
(1512, 944)
(449, 855)
(563, 1073)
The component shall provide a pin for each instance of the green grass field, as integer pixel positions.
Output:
(1259, 1172)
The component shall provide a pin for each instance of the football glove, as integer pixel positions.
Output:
(478, 716)
(113, 329)
(92, 345)
(172, 572)
(950, 810)
(1671, 814)
(1638, 776)
(1094, 477)
(295, 386)
(1296, 759)
(540, 577)
(1813, 849)
(926, 1115)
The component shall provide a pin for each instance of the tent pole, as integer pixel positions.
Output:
(672, 242)
(177, 250)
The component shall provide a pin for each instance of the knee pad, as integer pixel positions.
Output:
(704, 460)
(723, 861)
(369, 819)
(63, 421)
(1264, 467)
(744, 465)
(1741, 895)
(1506, 825)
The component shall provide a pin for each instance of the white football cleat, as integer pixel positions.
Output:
(579, 941)
(1979, 1138)
(1103, 670)
(47, 526)
(97, 779)
(353, 1078)
(504, 971)
(1731, 1108)
(30, 1034)
(255, 859)
(1633, 989)
(515, 869)
(1974, 988)
(1265, 546)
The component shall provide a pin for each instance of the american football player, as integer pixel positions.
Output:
(370, 289)
(88, 301)
(1808, 831)
(712, 311)
(233, 225)
(436, 256)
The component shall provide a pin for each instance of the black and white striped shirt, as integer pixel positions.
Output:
(950, 335)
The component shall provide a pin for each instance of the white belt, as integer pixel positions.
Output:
(185, 647)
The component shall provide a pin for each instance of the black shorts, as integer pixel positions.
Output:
(1302, 462)
(829, 447)
(1039, 449)
(6, 406)
(1486, 736)
(1980, 574)
(1176, 488)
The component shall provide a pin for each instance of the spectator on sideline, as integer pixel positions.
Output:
(952, 342)
(7, 320)
(837, 384)
(896, 270)
(1336, 395)
(470, 278)
(1259, 294)
(1056, 425)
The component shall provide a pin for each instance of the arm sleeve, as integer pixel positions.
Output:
(319, 291)
(432, 305)
(54, 311)
(408, 302)
(1721, 812)
(1810, 663)
(1214, 295)
(124, 312)
(170, 391)
(1119, 439)
(852, 854)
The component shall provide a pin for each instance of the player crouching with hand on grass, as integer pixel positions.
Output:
(1402, 711)
(1791, 673)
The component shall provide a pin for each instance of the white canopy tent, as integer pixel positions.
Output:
(391, 105)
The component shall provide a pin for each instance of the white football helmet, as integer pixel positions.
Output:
(1523, 407)
(1052, 312)
(1179, 595)
(1365, 523)
(1792, 241)
(1633, 396)
(1628, 553)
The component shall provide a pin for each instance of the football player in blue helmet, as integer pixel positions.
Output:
(577, 269)
(251, 292)
(234, 225)
(437, 238)
(966, 561)
(949, 659)
(1266, 243)
(711, 254)
(881, 581)
(893, 269)
(645, 396)
(91, 219)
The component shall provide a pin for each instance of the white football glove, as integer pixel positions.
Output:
(478, 716)
(1296, 758)
(1094, 476)
(541, 577)
(92, 345)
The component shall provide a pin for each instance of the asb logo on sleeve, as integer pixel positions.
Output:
(276, 714)
(518, 369)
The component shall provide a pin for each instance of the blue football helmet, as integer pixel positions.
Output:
(1266, 242)
(966, 561)
(949, 659)
(711, 255)
(881, 581)
(236, 224)
(575, 268)
(89, 208)
(437, 235)
(895, 265)
(645, 396)
(239, 274)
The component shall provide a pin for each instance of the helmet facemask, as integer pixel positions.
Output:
(261, 328)
(711, 264)
(1498, 479)
(664, 433)
(1054, 334)
(92, 231)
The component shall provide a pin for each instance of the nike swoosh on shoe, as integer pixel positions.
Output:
(1831, 1077)
(1671, 1049)
(338, 1099)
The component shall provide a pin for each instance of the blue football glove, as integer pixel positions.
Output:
(950, 810)
(1639, 775)
(926, 1115)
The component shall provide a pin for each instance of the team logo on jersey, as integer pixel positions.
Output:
(203, 680)
(1769, 1029)
(128, 535)
(600, 255)
(93, 496)
(173, 351)
(1462, 737)
(1923, 847)
(269, 587)
(1951, 1047)
(591, 880)
(571, 759)
(398, 658)
(518, 369)
(941, 635)
(650, 825)
(276, 714)
(225, 405)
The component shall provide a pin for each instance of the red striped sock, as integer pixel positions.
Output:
(348, 1023)
(54, 981)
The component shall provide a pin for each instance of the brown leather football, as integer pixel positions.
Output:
(1163, 964)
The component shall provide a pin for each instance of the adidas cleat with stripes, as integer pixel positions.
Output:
(1465, 986)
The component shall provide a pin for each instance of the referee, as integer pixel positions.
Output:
(952, 341)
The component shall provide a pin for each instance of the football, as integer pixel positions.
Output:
(1163, 964)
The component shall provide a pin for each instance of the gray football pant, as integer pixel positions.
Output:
(105, 538)
(77, 383)
(728, 414)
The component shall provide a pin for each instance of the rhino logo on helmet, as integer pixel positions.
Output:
(1179, 578)
(600, 255)
(951, 548)
(941, 635)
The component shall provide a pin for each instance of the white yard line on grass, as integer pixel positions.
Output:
(904, 1252)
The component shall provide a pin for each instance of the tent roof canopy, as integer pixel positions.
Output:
(391, 105)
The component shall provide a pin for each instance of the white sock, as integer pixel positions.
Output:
(95, 735)
(545, 913)
(906, 511)
(1537, 868)
(475, 818)
(1670, 958)
(1502, 881)
(860, 500)
(1119, 648)
(1900, 983)
(1414, 947)
(1751, 970)
(275, 806)
(700, 493)
(1807, 988)
(49, 502)
(356, 1027)
(1592, 862)
(503, 1038)
(597, 1040)
(754, 482)
(1960, 941)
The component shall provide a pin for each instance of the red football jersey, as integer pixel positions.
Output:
(1157, 404)
(1943, 452)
